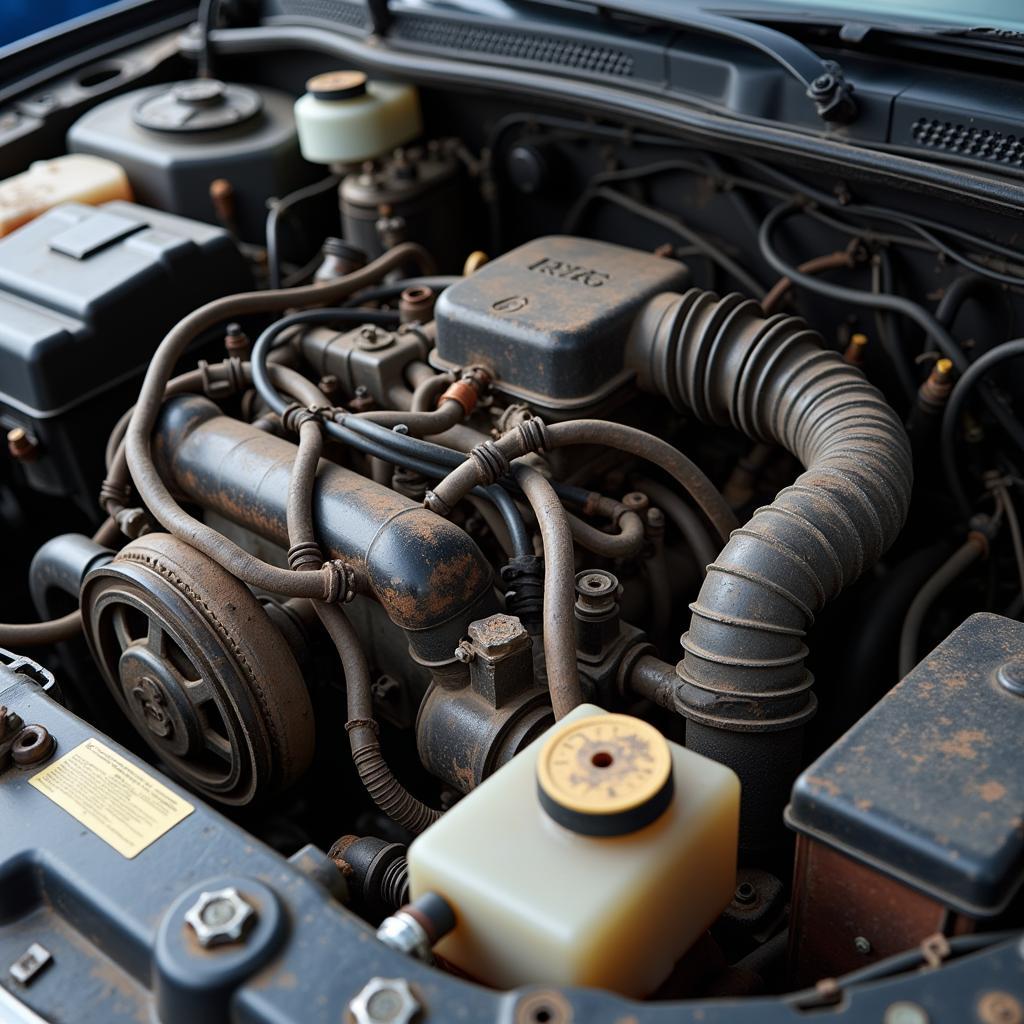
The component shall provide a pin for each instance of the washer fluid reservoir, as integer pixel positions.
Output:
(595, 857)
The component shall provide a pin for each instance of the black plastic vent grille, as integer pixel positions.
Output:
(338, 11)
(525, 46)
(980, 143)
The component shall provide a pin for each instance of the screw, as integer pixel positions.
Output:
(220, 917)
(236, 341)
(21, 445)
(1000, 1008)
(1011, 677)
(862, 945)
(384, 1001)
(905, 1012)
(464, 652)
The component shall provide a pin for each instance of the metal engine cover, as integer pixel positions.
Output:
(550, 320)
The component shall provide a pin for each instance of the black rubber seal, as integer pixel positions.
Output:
(606, 826)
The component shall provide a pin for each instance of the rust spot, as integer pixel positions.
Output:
(991, 791)
(963, 742)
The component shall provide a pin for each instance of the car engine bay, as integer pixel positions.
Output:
(474, 555)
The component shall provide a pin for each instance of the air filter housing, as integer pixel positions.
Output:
(550, 319)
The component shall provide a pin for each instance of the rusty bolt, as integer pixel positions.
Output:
(636, 501)
(10, 721)
(236, 341)
(497, 635)
(855, 350)
(1000, 1008)
(384, 1001)
(21, 445)
(220, 917)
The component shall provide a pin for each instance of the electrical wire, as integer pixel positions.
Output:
(278, 209)
(962, 389)
(943, 340)
(713, 252)
(432, 461)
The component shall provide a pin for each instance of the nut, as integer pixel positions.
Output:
(32, 745)
(384, 1001)
(220, 917)
(1000, 1008)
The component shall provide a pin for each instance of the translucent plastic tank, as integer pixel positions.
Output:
(344, 119)
(596, 857)
(76, 178)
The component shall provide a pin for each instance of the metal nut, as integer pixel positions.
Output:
(1000, 1008)
(32, 745)
(220, 917)
(384, 1001)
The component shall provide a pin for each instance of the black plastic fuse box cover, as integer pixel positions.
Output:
(86, 293)
(551, 319)
(928, 787)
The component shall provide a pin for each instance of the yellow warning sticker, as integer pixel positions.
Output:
(120, 803)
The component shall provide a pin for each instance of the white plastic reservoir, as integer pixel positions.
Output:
(343, 118)
(595, 857)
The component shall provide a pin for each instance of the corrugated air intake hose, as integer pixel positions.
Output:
(743, 686)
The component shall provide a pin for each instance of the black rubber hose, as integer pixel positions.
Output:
(955, 406)
(15, 635)
(743, 686)
(969, 552)
(942, 339)
(384, 292)
(533, 435)
(377, 439)
(277, 210)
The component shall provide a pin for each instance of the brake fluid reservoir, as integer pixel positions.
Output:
(344, 119)
(595, 857)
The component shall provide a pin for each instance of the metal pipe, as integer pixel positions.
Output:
(427, 573)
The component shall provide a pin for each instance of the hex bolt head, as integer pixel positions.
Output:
(384, 1001)
(220, 917)
(497, 634)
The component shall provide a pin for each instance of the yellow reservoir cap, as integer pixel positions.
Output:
(605, 775)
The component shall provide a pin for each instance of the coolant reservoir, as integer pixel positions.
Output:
(343, 118)
(595, 857)
(76, 178)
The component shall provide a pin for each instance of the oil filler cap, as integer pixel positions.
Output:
(606, 775)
